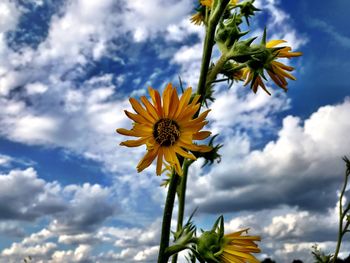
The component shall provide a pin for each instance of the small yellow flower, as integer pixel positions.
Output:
(277, 71)
(208, 3)
(198, 18)
(238, 248)
(167, 128)
(248, 75)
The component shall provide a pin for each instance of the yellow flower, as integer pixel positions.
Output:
(248, 75)
(238, 248)
(208, 3)
(198, 18)
(277, 71)
(167, 128)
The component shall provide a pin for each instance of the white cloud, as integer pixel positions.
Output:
(33, 129)
(177, 32)
(4, 160)
(89, 206)
(80, 254)
(289, 170)
(36, 88)
(9, 15)
(94, 30)
(253, 112)
(341, 39)
(187, 54)
(145, 20)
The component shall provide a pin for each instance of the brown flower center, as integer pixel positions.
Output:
(166, 132)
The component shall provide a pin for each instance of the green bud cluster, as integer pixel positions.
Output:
(248, 9)
(212, 155)
(228, 33)
(210, 244)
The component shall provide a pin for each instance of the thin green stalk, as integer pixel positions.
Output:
(208, 47)
(168, 211)
(182, 198)
(220, 80)
(341, 218)
(216, 69)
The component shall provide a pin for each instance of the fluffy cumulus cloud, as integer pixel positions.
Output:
(145, 21)
(25, 197)
(289, 233)
(300, 167)
(76, 213)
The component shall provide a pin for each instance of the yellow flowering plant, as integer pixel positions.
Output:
(169, 126)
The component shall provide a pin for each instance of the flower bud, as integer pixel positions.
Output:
(248, 9)
(209, 243)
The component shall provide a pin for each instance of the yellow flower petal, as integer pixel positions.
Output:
(156, 100)
(147, 159)
(185, 154)
(273, 43)
(201, 135)
(166, 100)
(134, 143)
(140, 110)
(159, 161)
(150, 108)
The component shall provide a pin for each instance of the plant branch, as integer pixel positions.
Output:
(168, 211)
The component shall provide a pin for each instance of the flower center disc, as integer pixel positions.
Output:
(166, 132)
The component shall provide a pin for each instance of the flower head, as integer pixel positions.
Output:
(214, 246)
(208, 3)
(267, 60)
(238, 248)
(198, 17)
(167, 127)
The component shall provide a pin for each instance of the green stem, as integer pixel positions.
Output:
(341, 218)
(168, 211)
(208, 47)
(220, 80)
(182, 198)
(216, 69)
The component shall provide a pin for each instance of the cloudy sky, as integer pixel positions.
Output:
(69, 193)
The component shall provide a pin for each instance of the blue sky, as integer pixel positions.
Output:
(69, 193)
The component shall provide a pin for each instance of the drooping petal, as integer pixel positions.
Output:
(147, 159)
(185, 154)
(159, 161)
(201, 135)
(138, 133)
(134, 143)
(194, 147)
